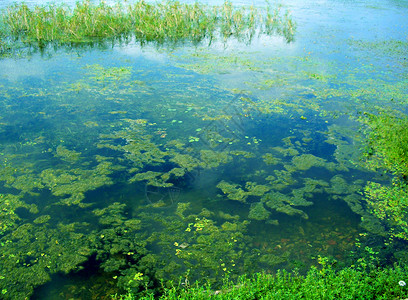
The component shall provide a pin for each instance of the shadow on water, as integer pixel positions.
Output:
(87, 283)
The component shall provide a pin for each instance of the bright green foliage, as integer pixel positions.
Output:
(323, 283)
(160, 22)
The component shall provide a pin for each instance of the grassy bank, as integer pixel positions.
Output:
(160, 22)
(322, 283)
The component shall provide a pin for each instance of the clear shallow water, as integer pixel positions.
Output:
(200, 161)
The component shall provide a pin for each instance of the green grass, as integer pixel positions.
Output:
(325, 283)
(160, 22)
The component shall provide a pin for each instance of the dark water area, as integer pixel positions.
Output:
(128, 165)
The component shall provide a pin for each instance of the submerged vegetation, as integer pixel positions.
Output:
(170, 21)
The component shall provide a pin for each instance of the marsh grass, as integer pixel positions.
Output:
(169, 21)
(3, 34)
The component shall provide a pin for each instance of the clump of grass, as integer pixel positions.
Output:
(169, 21)
(3, 43)
(278, 23)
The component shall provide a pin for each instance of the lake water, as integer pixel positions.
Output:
(194, 161)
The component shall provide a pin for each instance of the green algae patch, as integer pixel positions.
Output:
(306, 161)
(232, 191)
(99, 73)
(282, 203)
(181, 208)
(348, 151)
(75, 182)
(338, 186)
(286, 151)
(255, 189)
(236, 192)
(42, 219)
(270, 159)
(390, 203)
(66, 154)
(213, 159)
(258, 212)
(281, 180)
(185, 161)
(151, 178)
(205, 62)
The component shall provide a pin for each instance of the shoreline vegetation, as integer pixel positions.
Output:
(162, 22)
(319, 283)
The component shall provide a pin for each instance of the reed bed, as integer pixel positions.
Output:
(169, 21)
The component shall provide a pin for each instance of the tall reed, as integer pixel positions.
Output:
(166, 21)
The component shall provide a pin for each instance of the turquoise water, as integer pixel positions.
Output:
(194, 161)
